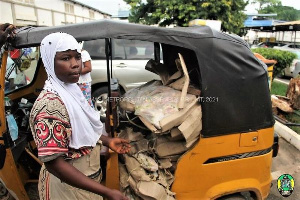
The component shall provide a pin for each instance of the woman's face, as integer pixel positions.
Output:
(67, 66)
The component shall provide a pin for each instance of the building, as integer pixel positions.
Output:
(122, 15)
(262, 27)
(47, 12)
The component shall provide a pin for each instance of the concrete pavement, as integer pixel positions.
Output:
(288, 134)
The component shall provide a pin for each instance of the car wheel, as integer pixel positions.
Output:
(3, 190)
(99, 97)
(236, 196)
(4, 194)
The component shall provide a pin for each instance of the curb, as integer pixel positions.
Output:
(288, 134)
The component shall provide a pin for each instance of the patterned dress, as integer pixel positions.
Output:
(51, 129)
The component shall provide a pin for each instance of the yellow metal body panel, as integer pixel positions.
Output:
(196, 180)
(9, 173)
(112, 172)
(249, 139)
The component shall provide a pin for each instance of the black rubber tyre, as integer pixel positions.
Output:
(236, 196)
(99, 97)
(4, 194)
(3, 191)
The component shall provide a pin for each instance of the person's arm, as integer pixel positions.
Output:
(118, 145)
(87, 64)
(6, 30)
(87, 67)
(70, 175)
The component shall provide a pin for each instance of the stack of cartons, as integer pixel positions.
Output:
(175, 124)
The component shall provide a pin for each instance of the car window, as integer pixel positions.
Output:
(118, 49)
(122, 49)
(96, 48)
(20, 68)
(136, 49)
(294, 46)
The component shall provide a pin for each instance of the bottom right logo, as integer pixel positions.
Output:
(285, 185)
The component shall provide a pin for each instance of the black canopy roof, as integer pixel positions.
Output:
(234, 84)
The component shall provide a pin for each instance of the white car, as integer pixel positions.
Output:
(289, 47)
(268, 45)
(128, 67)
(294, 69)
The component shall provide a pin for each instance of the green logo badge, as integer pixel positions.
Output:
(285, 185)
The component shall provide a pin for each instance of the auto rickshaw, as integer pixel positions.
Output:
(236, 144)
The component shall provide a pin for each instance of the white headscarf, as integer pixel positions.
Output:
(85, 121)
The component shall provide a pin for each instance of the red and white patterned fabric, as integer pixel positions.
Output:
(51, 128)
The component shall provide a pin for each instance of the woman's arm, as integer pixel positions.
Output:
(118, 145)
(87, 67)
(70, 175)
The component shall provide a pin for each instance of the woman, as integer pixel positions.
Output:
(66, 129)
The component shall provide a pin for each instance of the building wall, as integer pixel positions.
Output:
(57, 5)
(25, 15)
(46, 12)
(6, 13)
(47, 19)
(59, 18)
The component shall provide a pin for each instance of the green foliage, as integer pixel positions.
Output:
(284, 13)
(179, 13)
(294, 118)
(283, 58)
(263, 3)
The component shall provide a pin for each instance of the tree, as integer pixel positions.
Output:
(263, 3)
(284, 13)
(179, 13)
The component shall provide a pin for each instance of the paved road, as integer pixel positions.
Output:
(287, 162)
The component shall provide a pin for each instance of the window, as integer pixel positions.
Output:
(294, 46)
(29, 1)
(20, 68)
(69, 8)
(92, 14)
(26, 1)
(136, 49)
(96, 48)
(122, 49)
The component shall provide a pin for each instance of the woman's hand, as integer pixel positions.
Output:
(116, 195)
(119, 145)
